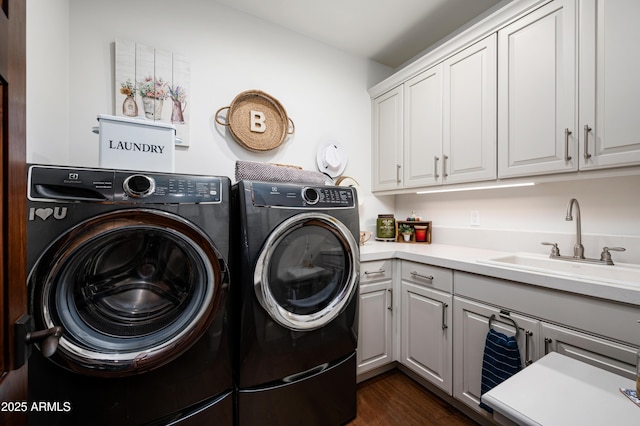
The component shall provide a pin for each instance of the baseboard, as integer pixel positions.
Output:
(376, 372)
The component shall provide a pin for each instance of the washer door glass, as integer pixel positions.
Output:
(132, 290)
(307, 271)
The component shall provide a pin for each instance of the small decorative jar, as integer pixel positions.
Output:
(421, 233)
(386, 227)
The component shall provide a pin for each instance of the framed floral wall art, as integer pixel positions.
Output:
(152, 84)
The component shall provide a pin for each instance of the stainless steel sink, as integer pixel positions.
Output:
(620, 273)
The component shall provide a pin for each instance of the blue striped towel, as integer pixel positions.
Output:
(501, 360)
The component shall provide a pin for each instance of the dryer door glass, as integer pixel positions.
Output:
(131, 291)
(307, 271)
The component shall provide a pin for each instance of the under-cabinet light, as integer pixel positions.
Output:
(476, 188)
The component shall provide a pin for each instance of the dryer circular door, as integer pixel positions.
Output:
(307, 271)
(132, 290)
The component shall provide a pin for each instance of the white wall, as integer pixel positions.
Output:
(519, 219)
(48, 90)
(70, 81)
(70, 77)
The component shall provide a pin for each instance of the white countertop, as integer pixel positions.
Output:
(466, 259)
(558, 390)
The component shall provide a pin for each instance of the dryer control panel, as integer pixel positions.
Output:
(286, 195)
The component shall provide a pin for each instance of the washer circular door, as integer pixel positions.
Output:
(132, 290)
(307, 271)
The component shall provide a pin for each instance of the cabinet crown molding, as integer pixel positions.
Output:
(449, 46)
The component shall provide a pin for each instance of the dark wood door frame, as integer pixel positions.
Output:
(13, 293)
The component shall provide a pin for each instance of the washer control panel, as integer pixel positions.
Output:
(167, 188)
(59, 184)
(302, 196)
(310, 195)
(139, 186)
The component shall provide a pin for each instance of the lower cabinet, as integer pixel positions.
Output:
(441, 317)
(375, 329)
(426, 332)
(603, 353)
(536, 336)
(471, 320)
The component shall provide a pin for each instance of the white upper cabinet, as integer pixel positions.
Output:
(423, 128)
(387, 141)
(441, 123)
(469, 114)
(539, 88)
(538, 73)
(609, 84)
(536, 92)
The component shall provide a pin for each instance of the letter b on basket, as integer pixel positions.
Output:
(257, 122)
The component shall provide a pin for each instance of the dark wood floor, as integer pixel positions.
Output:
(393, 398)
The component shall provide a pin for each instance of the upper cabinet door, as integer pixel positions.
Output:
(536, 92)
(387, 141)
(469, 117)
(423, 128)
(609, 84)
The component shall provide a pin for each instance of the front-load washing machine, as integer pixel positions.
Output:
(297, 263)
(133, 267)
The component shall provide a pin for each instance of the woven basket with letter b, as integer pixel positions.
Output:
(257, 121)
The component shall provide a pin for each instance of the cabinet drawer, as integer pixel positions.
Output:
(612, 320)
(428, 276)
(617, 358)
(374, 271)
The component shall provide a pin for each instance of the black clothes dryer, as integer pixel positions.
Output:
(133, 267)
(297, 269)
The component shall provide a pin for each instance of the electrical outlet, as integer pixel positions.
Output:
(475, 218)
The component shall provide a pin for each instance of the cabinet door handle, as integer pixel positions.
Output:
(444, 165)
(547, 343)
(527, 345)
(390, 307)
(587, 129)
(444, 316)
(426, 277)
(379, 271)
(567, 132)
(398, 167)
(435, 167)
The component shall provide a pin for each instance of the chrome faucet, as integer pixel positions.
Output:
(578, 248)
